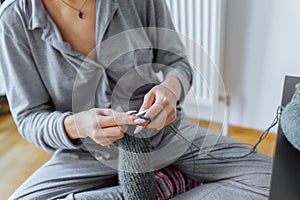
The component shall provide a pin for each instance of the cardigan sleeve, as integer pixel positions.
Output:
(29, 101)
(169, 51)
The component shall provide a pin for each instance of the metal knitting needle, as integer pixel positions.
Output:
(141, 113)
(147, 118)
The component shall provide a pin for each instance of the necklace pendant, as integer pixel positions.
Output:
(80, 15)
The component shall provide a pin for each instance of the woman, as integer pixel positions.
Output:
(47, 50)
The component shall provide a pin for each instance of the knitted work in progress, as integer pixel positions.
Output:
(135, 171)
(290, 120)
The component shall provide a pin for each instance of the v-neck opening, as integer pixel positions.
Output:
(55, 37)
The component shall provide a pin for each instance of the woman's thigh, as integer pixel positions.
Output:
(221, 190)
(217, 161)
(67, 172)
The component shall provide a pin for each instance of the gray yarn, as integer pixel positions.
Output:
(136, 174)
(296, 96)
(290, 120)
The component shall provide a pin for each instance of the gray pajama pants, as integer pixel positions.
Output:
(76, 174)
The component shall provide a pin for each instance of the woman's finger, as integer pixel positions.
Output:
(122, 118)
(108, 135)
(159, 121)
(149, 100)
(160, 104)
(171, 116)
(101, 111)
(123, 128)
(109, 140)
(110, 132)
(154, 110)
(113, 139)
(164, 118)
(116, 119)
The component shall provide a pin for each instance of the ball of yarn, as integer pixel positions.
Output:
(290, 120)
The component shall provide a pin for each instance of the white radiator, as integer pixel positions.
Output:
(201, 21)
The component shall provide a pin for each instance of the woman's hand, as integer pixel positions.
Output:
(104, 126)
(161, 101)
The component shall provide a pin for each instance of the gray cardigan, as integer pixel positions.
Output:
(40, 69)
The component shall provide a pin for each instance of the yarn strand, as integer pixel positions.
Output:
(252, 150)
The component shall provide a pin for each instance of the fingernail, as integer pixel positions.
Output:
(141, 112)
(138, 129)
(139, 121)
(142, 109)
(131, 112)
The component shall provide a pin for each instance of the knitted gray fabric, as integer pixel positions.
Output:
(136, 174)
(296, 96)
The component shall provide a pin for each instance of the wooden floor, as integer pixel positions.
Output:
(19, 159)
(247, 136)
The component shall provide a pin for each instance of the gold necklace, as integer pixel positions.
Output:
(80, 13)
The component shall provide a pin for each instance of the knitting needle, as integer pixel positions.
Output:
(141, 113)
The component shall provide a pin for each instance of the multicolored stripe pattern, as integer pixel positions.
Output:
(170, 182)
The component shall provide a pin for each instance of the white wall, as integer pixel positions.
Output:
(262, 44)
